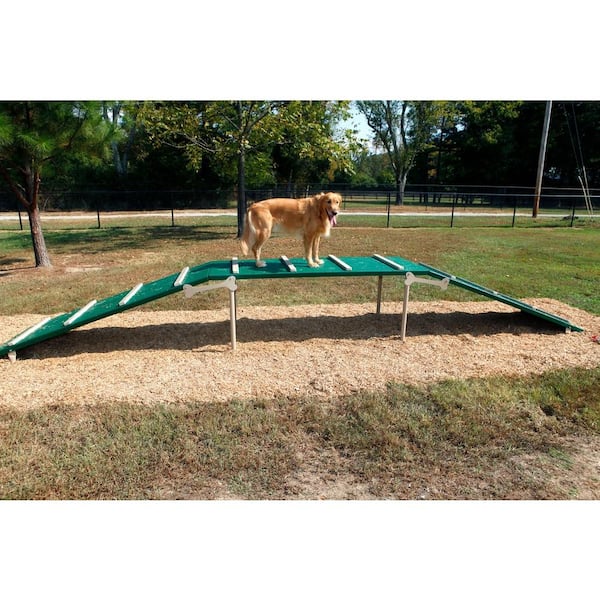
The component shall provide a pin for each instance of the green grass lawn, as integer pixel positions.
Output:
(559, 263)
(502, 437)
(447, 437)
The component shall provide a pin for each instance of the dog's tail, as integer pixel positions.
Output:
(246, 233)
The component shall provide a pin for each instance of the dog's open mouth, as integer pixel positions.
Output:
(332, 218)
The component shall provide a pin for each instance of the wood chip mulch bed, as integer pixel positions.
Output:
(316, 350)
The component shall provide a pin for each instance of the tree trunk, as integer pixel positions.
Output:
(399, 191)
(241, 199)
(28, 196)
(32, 193)
(42, 258)
(119, 161)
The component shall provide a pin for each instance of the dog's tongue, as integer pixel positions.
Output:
(333, 220)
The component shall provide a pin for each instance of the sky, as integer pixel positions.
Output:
(358, 122)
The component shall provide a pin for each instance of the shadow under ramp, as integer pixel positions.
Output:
(199, 335)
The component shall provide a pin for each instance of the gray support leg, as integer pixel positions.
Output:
(231, 285)
(233, 317)
(379, 293)
(408, 281)
(405, 307)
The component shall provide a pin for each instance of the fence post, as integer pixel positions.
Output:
(98, 212)
(20, 219)
(514, 212)
(452, 217)
(573, 211)
(389, 202)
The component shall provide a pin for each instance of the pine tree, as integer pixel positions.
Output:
(34, 135)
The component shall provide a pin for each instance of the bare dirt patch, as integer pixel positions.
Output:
(316, 350)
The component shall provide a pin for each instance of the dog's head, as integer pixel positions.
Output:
(331, 204)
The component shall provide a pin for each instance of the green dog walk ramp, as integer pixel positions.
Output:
(523, 306)
(191, 279)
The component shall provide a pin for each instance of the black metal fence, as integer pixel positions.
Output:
(117, 200)
(382, 199)
(482, 196)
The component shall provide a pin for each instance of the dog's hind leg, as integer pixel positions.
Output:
(251, 238)
(260, 238)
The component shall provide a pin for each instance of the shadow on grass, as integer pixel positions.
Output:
(123, 238)
(9, 261)
(196, 335)
(10, 265)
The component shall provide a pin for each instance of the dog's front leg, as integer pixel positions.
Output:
(311, 251)
(308, 251)
(315, 252)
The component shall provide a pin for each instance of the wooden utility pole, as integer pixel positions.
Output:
(541, 160)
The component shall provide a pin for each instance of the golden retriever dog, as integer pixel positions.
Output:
(310, 218)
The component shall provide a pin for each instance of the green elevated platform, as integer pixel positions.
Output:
(190, 281)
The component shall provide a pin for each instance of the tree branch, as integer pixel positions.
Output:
(14, 187)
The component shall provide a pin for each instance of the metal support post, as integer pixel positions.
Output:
(233, 317)
(379, 292)
(231, 285)
(408, 281)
